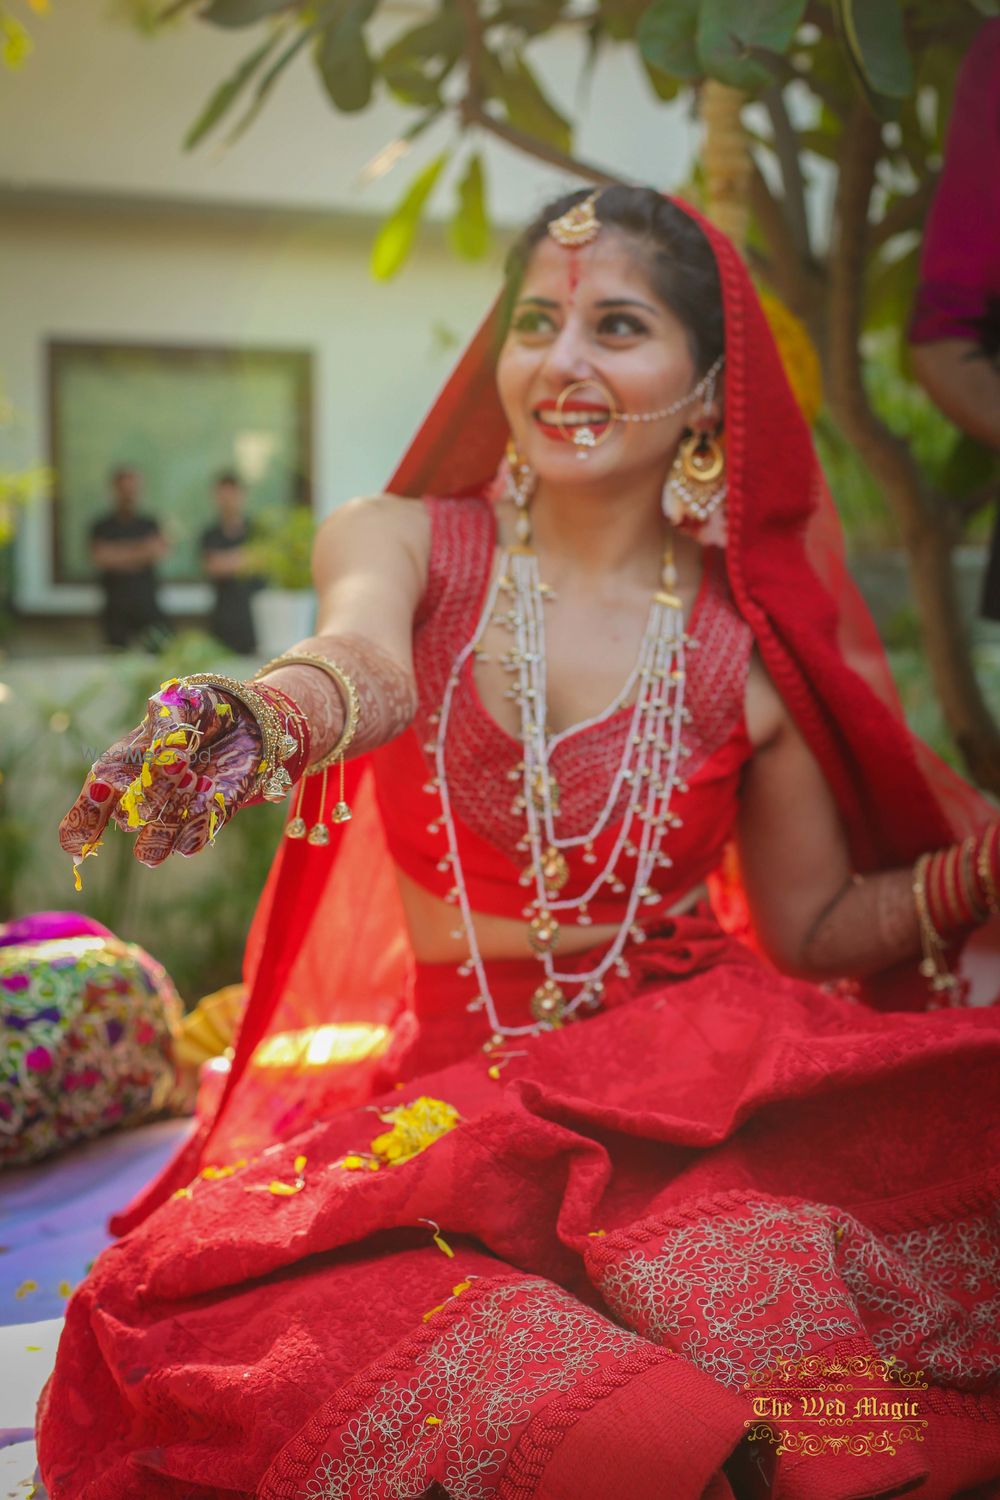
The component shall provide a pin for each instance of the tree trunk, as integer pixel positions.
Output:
(928, 527)
(725, 156)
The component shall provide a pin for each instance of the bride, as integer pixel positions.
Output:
(605, 1085)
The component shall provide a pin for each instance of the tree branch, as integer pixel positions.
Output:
(786, 149)
(905, 213)
(474, 114)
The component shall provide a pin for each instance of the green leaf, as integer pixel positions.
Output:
(233, 13)
(728, 35)
(824, 143)
(394, 240)
(987, 7)
(532, 17)
(621, 18)
(417, 63)
(666, 35)
(526, 106)
(342, 57)
(892, 285)
(873, 36)
(663, 86)
(266, 84)
(970, 466)
(469, 230)
(226, 94)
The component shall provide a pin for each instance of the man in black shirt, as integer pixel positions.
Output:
(223, 552)
(124, 546)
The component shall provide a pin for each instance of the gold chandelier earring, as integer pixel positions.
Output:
(519, 486)
(696, 485)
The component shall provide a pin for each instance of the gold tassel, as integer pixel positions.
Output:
(319, 834)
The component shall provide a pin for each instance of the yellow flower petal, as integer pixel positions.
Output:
(442, 1244)
(65, 1289)
(433, 1421)
(285, 1189)
(164, 713)
(300, 1162)
(25, 1288)
(493, 1072)
(78, 883)
(223, 709)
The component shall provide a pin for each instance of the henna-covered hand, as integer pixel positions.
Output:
(174, 780)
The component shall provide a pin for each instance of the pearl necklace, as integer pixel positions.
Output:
(649, 765)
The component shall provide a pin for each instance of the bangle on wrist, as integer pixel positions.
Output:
(273, 781)
(347, 692)
(934, 965)
(341, 813)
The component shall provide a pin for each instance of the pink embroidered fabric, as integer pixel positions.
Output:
(480, 755)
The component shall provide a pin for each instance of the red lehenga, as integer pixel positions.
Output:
(394, 1265)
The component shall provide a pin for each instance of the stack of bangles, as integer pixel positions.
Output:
(284, 732)
(955, 890)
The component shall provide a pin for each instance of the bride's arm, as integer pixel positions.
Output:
(370, 570)
(813, 915)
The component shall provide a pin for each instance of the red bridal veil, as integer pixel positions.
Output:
(327, 959)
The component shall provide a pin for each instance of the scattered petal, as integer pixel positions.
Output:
(25, 1288)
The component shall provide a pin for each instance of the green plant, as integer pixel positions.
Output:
(281, 548)
(192, 915)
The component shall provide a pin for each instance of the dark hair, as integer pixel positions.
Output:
(228, 476)
(679, 259)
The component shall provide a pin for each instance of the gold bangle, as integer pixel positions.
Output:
(272, 778)
(348, 694)
(933, 966)
(985, 872)
(967, 877)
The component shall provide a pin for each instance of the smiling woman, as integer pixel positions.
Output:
(604, 1168)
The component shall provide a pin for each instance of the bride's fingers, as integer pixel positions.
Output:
(163, 765)
(88, 817)
(98, 800)
(157, 838)
(207, 812)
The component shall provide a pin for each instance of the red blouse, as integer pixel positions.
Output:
(481, 758)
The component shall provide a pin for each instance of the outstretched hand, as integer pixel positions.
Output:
(174, 780)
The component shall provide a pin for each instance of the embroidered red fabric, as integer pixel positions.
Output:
(482, 759)
(723, 1172)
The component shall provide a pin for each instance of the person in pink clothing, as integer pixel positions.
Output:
(954, 329)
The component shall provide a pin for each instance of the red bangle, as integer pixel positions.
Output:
(293, 724)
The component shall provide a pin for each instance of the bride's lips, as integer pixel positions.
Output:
(546, 419)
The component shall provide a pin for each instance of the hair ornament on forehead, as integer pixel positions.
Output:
(578, 225)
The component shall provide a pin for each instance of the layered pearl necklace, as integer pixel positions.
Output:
(649, 766)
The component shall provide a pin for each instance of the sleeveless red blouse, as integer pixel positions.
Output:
(481, 758)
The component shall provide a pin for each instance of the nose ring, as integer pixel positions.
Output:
(584, 437)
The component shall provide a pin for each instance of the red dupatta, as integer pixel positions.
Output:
(328, 958)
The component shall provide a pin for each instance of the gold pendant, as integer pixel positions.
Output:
(319, 834)
(543, 932)
(296, 829)
(555, 870)
(538, 791)
(341, 813)
(548, 1003)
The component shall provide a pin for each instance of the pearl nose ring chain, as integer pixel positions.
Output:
(583, 436)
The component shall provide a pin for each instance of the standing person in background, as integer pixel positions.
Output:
(125, 545)
(224, 555)
(955, 327)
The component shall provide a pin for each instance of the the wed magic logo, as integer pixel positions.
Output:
(821, 1404)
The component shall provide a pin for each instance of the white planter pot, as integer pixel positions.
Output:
(281, 617)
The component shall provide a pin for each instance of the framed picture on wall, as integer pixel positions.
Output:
(180, 416)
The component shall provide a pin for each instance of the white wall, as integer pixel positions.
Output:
(112, 232)
(378, 365)
(100, 108)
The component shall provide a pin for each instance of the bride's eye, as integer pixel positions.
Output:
(621, 325)
(532, 320)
